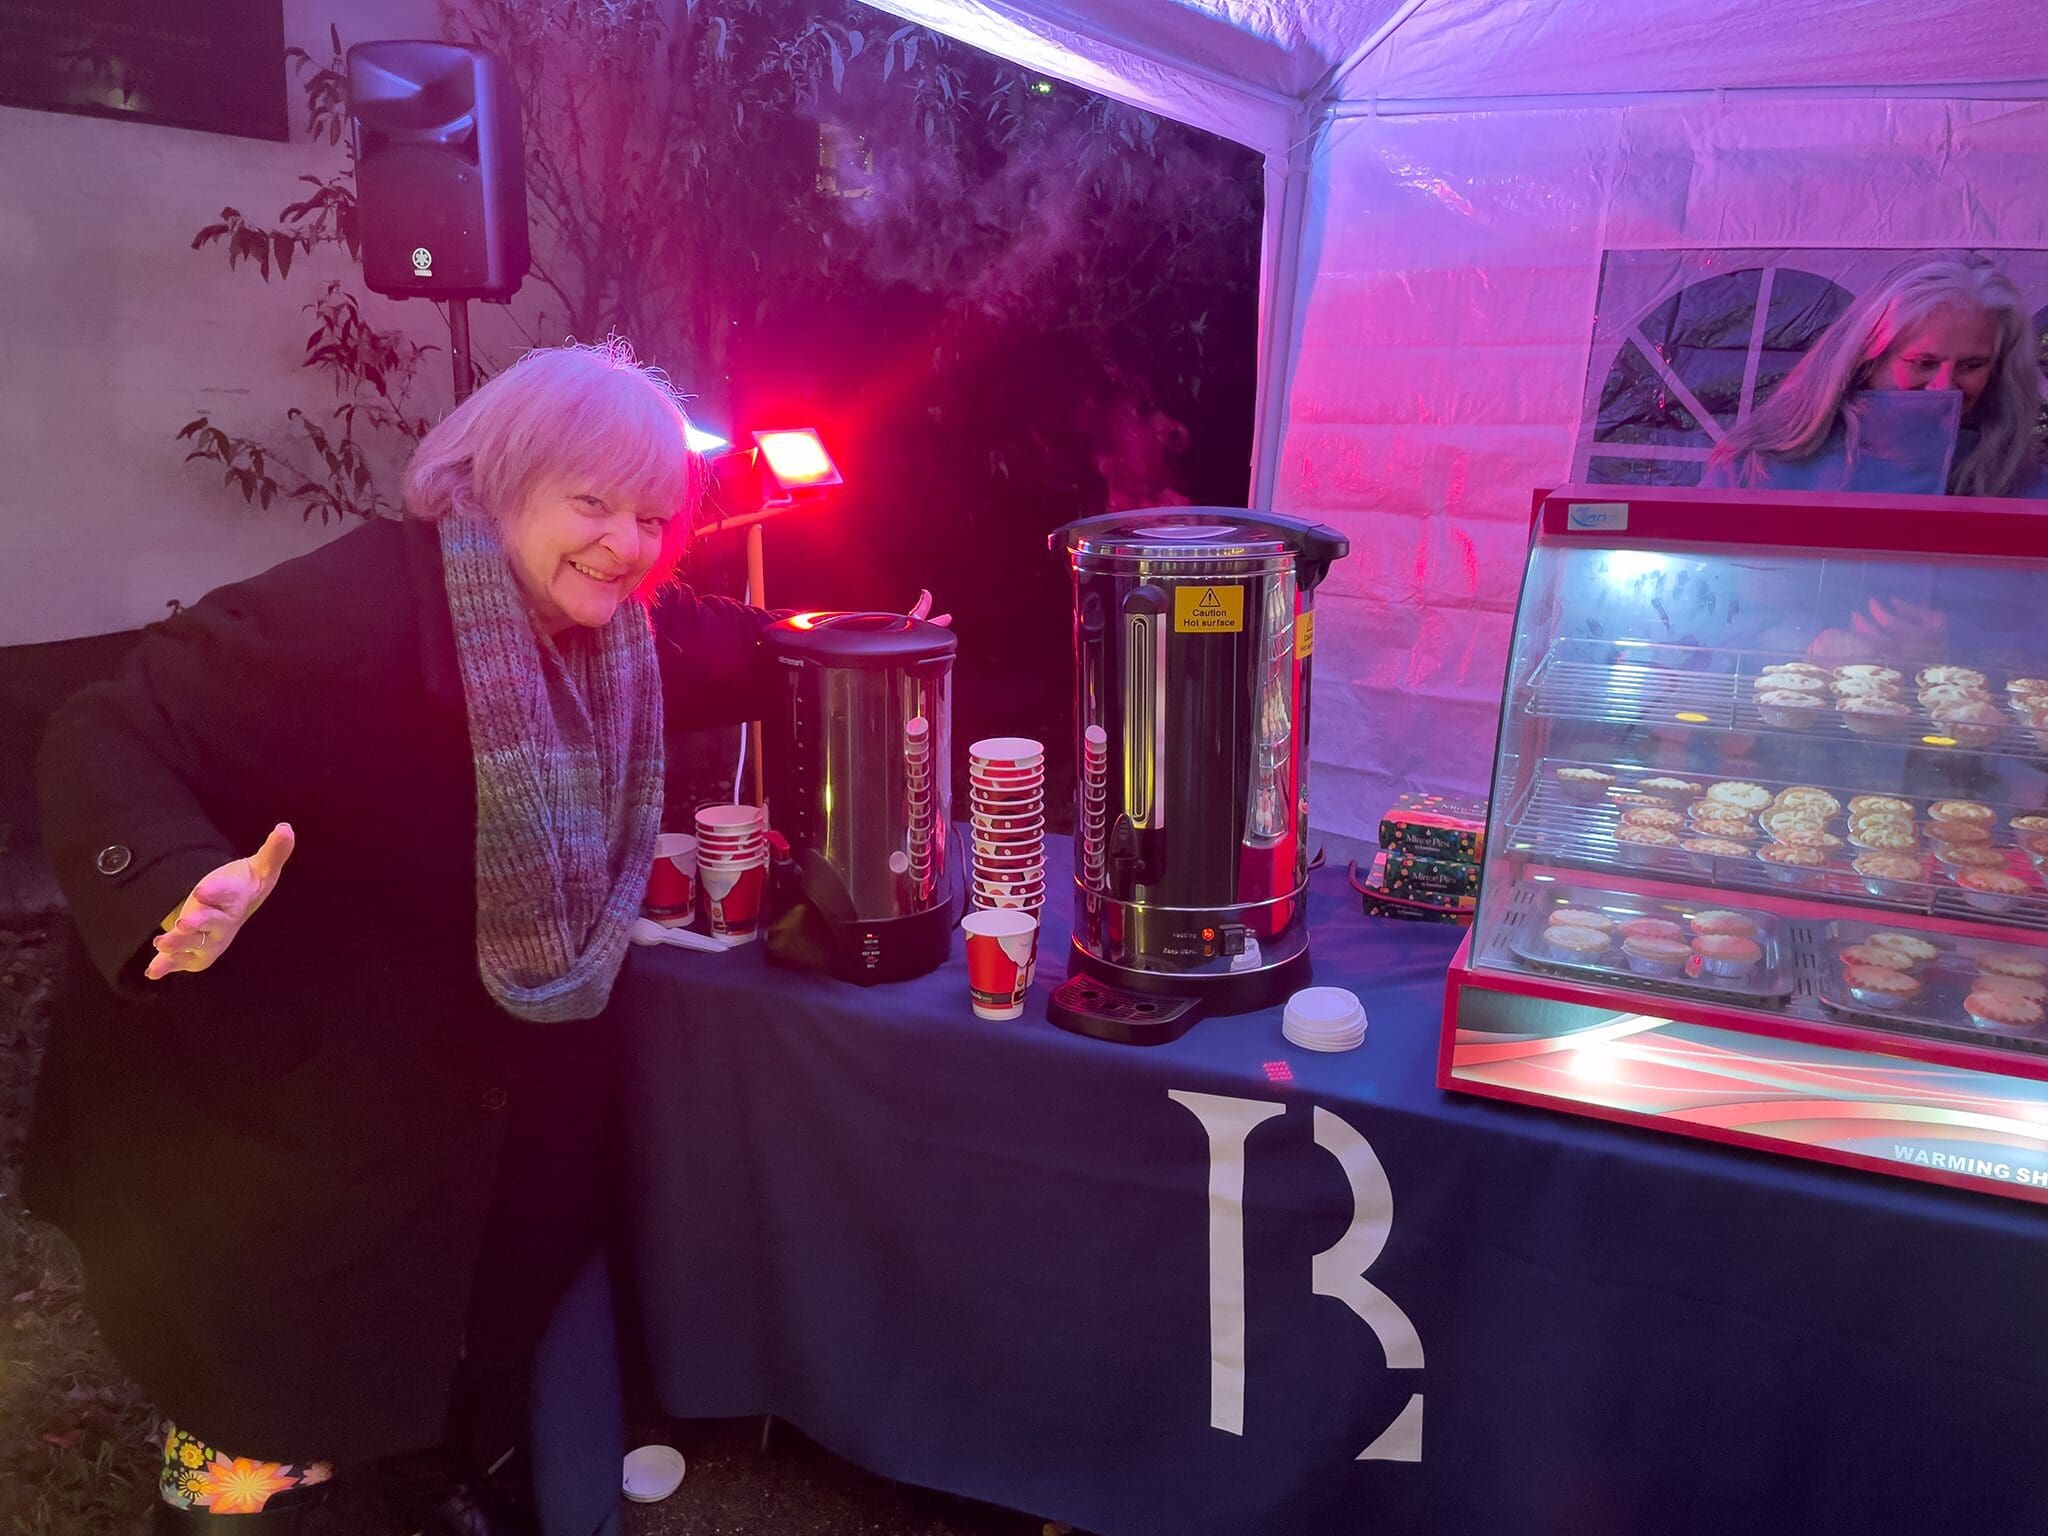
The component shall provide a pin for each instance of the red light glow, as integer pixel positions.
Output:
(797, 459)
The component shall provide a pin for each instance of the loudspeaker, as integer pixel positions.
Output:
(440, 178)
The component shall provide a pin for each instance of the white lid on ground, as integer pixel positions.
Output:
(653, 1472)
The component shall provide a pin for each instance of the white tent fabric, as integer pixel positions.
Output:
(1443, 180)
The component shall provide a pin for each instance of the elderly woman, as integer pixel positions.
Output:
(353, 848)
(1949, 322)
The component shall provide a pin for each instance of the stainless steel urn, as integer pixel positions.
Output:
(1193, 632)
(859, 766)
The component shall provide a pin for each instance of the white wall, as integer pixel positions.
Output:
(1448, 281)
(114, 333)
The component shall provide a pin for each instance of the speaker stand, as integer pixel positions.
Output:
(458, 348)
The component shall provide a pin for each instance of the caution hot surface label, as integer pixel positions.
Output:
(1212, 608)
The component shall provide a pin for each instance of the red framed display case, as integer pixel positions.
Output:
(1816, 727)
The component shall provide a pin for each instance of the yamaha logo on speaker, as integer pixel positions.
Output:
(422, 261)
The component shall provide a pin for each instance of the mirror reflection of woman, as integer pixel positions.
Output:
(1950, 322)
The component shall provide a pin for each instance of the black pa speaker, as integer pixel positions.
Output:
(440, 179)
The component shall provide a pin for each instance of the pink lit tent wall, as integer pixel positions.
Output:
(1444, 179)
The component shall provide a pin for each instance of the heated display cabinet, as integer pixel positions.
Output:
(1764, 858)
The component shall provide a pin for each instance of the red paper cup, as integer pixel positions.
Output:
(732, 898)
(1002, 946)
(751, 854)
(1034, 904)
(714, 820)
(1008, 852)
(1008, 826)
(1005, 778)
(1022, 896)
(1009, 874)
(671, 883)
(1003, 837)
(1008, 751)
(1027, 802)
(1012, 858)
(987, 887)
(1000, 883)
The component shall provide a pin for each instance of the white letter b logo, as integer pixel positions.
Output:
(1338, 1271)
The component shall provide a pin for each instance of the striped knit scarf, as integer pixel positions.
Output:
(567, 742)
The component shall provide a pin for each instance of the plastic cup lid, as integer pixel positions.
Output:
(1324, 1011)
(652, 1473)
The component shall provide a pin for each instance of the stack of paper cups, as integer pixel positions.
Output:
(922, 796)
(732, 867)
(1324, 1019)
(1006, 812)
(1094, 806)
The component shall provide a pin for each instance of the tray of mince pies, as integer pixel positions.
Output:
(1954, 986)
(1691, 949)
(1956, 705)
(1918, 852)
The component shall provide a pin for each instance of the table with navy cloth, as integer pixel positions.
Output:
(978, 1256)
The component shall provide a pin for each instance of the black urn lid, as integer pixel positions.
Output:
(860, 640)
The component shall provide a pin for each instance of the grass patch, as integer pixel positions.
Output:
(78, 1452)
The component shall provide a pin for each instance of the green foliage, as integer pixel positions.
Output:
(702, 172)
(373, 374)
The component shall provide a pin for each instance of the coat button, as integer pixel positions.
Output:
(496, 1099)
(112, 859)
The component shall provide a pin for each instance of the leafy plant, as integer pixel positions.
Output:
(327, 464)
(710, 178)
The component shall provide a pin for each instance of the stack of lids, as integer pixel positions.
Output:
(1324, 1019)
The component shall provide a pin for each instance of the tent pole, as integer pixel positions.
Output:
(1437, 106)
(1285, 228)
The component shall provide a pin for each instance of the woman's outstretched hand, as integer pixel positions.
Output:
(202, 929)
(922, 608)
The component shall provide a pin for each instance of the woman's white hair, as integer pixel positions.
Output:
(589, 414)
(1801, 413)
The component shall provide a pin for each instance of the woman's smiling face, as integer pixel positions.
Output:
(578, 552)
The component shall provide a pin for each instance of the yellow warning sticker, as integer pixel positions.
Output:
(1305, 635)
(1209, 609)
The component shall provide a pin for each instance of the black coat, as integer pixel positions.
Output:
(279, 1170)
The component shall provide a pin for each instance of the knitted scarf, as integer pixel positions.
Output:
(567, 743)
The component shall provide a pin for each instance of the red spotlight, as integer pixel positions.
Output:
(796, 460)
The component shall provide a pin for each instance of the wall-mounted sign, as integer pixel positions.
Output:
(216, 65)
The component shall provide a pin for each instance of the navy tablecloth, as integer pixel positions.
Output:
(979, 1257)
